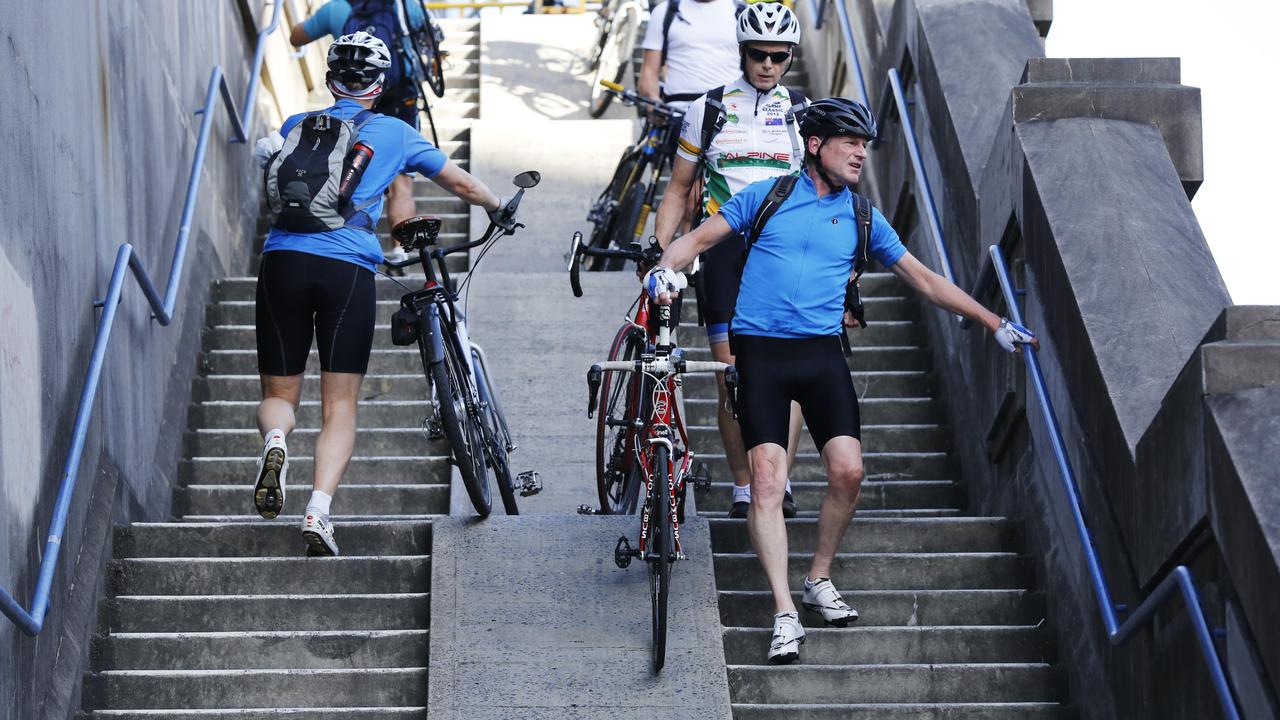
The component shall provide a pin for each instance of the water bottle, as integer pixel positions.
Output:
(357, 160)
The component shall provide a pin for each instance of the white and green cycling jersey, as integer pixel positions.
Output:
(754, 144)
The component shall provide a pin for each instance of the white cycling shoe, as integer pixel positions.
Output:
(823, 598)
(788, 636)
(318, 532)
(268, 490)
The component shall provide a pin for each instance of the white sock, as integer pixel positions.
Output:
(788, 484)
(742, 493)
(319, 502)
(271, 434)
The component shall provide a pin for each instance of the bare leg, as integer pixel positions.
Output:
(280, 397)
(339, 393)
(842, 457)
(730, 434)
(765, 523)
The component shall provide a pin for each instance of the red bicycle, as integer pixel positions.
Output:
(641, 437)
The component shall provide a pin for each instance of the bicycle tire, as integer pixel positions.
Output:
(618, 475)
(614, 60)
(434, 66)
(602, 232)
(660, 567)
(627, 218)
(419, 77)
(466, 441)
(495, 443)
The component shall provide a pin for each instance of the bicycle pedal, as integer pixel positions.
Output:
(530, 483)
(433, 428)
(622, 553)
(701, 477)
(588, 510)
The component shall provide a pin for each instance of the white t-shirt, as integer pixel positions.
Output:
(702, 45)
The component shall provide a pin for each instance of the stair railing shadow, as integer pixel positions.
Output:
(31, 621)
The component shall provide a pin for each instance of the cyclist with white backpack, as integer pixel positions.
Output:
(733, 136)
(807, 238)
(325, 186)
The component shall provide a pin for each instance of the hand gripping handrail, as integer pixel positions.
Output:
(1179, 579)
(31, 622)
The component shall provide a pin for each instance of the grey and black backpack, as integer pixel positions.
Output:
(302, 179)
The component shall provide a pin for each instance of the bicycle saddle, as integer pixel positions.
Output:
(407, 232)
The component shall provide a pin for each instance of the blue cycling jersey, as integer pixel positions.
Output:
(794, 280)
(332, 16)
(397, 148)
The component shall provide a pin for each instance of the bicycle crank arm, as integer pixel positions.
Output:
(594, 377)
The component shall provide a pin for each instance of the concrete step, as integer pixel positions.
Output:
(375, 413)
(876, 357)
(362, 470)
(874, 535)
(807, 683)
(886, 571)
(854, 646)
(262, 649)
(873, 411)
(903, 711)
(231, 613)
(369, 441)
(352, 500)
(880, 384)
(878, 465)
(897, 608)
(374, 387)
(376, 687)
(886, 438)
(273, 575)
(875, 494)
(264, 539)
(391, 360)
(268, 713)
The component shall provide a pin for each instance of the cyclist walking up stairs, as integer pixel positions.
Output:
(220, 614)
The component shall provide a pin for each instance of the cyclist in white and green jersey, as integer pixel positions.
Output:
(737, 134)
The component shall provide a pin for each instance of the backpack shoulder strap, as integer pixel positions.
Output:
(782, 187)
(862, 209)
(797, 97)
(673, 9)
(360, 119)
(713, 117)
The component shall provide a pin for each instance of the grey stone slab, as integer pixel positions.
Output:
(571, 637)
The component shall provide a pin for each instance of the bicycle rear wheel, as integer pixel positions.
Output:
(605, 215)
(615, 57)
(418, 77)
(618, 474)
(494, 437)
(466, 438)
(663, 546)
(630, 215)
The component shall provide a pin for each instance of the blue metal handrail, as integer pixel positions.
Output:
(850, 46)
(1179, 579)
(31, 622)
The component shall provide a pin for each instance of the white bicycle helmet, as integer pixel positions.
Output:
(357, 65)
(768, 22)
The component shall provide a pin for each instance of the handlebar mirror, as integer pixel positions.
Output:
(528, 179)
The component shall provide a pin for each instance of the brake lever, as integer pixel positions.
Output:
(731, 385)
(594, 377)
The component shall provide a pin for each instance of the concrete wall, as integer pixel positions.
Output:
(1082, 171)
(99, 131)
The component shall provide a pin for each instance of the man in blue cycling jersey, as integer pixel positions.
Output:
(399, 102)
(785, 336)
(321, 284)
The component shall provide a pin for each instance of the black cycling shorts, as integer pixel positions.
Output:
(721, 275)
(401, 102)
(300, 293)
(812, 371)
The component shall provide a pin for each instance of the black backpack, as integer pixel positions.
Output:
(673, 11)
(303, 178)
(378, 18)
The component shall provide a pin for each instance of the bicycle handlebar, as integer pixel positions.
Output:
(664, 365)
(628, 97)
(577, 250)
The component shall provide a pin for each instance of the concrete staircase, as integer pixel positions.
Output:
(219, 614)
(952, 625)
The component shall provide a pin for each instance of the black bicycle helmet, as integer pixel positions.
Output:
(837, 116)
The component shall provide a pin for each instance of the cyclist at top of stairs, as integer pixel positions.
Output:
(317, 280)
(808, 249)
(694, 42)
(330, 20)
(737, 134)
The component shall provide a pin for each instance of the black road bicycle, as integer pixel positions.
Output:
(426, 59)
(465, 404)
(618, 23)
(620, 213)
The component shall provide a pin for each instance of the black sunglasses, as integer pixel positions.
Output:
(777, 57)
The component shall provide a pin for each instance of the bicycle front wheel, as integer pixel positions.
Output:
(615, 57)
(466, 438)
(618, 474)
(494, 437)
(663, 547)
(629, 223)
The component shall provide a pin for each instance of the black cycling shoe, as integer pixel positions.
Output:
(788, 506)
(739, 510)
